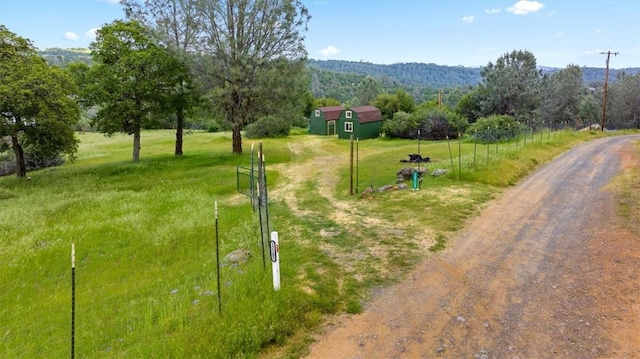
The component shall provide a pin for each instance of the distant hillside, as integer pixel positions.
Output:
(595, 75)
(63, 57)
(439, 76)
(409, 74)
(339, 79)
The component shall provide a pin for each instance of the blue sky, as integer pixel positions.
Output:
(455, 32)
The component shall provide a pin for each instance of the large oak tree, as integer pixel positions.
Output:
(36, 108)
(255, 58)
(134, 81)
(176, 25)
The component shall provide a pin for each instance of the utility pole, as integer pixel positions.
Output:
(606, 80)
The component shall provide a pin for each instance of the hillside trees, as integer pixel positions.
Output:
(174, 24)
(254, 58)
(36, 109)
(624, 101)
(561, 97)
(511, 86)
(134, 81)
(367, 91)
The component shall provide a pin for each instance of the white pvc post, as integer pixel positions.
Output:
(73, 300)
(275, 260)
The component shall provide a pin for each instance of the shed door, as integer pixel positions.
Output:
(331, 127)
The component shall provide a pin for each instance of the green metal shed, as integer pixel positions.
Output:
(323, 120)
(361, 121)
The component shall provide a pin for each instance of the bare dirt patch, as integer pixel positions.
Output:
(320, 166)
(549, 270)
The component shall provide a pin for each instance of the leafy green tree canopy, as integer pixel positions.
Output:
(134, 81)
(623, 110)
(367, 91)
(562, 93)
(175, 24)
(325, 102)
(255, 59)
(511, 86)
(426, 123)
(36, 109)
(389, 104)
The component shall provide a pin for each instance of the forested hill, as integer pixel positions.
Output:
(411, 75)
(64, 57)
(337, 78)
(439, 76)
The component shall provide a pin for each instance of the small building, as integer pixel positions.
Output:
(323, 120)
(361, 121)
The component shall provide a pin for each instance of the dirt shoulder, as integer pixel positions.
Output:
(547, 271)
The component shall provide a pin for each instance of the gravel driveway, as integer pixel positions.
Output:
(546, 271)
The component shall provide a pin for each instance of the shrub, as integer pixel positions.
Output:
(268, 127)
(440, 124)
(218, 125)
(432, 124)
(33, 161)
(402, 125)
(495, 128)
(301, 122)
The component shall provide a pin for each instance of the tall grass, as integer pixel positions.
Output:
(146, 269)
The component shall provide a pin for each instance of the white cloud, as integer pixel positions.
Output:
(468, 19)
(523, 7)
(493, 11)
(329, 50)
(70, 35)
(91, 33)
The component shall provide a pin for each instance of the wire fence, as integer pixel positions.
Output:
(252, 182)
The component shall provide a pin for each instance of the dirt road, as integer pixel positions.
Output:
(546, 271)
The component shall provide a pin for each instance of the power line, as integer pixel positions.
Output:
(606, 80)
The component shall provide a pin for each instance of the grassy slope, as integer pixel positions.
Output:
(146, 279)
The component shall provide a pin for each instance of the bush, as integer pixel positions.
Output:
(33, 161)
(402, 125)
(268, 127)
(432, 124)
(300, 122)
(440, 124)
(218, 125)
(495, 128)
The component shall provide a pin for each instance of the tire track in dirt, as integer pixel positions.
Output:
(323, 167)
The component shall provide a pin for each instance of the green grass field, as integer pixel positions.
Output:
(144, 235)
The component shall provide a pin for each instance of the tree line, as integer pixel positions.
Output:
(243, 64)
(514, 95)
(239, 60)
